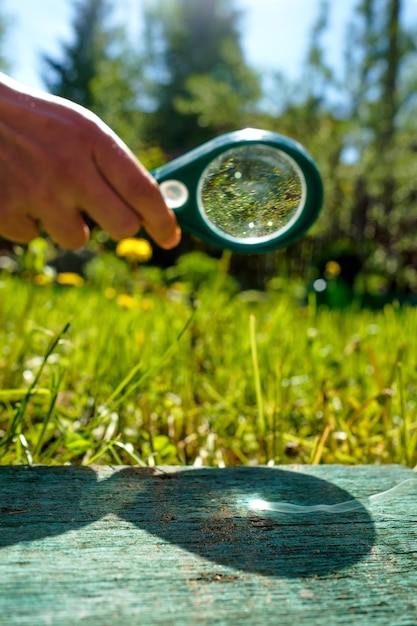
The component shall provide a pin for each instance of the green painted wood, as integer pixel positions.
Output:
(125, 546)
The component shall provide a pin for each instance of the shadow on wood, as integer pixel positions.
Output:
(206, 512)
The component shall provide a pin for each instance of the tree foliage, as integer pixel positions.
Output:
(201, 84)
(84, 58)
(382, 204)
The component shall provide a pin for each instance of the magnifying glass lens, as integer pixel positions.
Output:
(251, 192)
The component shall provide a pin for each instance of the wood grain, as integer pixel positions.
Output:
(125, 546)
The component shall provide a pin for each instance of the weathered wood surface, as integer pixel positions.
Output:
(124, 546)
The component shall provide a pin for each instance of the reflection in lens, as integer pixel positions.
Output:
(251, 191)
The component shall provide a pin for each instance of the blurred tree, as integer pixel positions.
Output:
(93, 43)
(200, 83)
(381, 67)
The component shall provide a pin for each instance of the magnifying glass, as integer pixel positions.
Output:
(249, 190)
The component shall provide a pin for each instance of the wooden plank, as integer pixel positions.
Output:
(125, 546)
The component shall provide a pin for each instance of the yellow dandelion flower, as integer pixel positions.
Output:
(134, 250)
(69, 279)
(332, 269)
(125, 301)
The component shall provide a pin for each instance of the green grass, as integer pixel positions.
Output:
(216, 379)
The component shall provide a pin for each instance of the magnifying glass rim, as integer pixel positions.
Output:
(262, 239)
(189, 167)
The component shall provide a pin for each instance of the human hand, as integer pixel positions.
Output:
(58, 161)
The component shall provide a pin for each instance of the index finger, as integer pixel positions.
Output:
(131, 181)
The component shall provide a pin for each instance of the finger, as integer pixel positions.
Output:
(109, 211)
(162, 227)
(21, 230)
(70, 232)
(136, 188)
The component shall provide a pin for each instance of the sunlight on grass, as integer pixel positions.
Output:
(203, 376)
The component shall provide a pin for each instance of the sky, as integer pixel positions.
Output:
(275, 33)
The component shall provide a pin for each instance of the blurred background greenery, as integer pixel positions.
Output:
(188, 80)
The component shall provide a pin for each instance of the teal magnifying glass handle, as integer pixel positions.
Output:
(249, 191)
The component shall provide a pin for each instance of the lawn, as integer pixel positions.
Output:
(138, 366)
